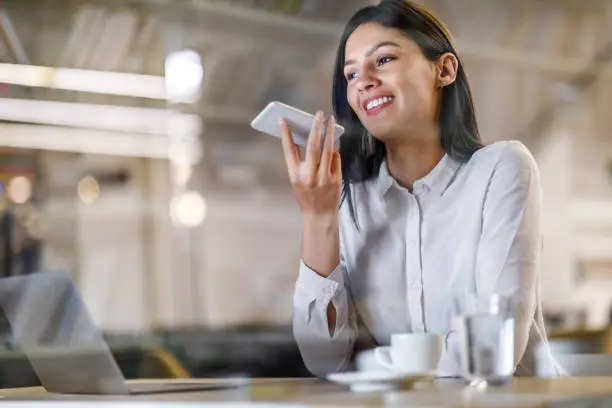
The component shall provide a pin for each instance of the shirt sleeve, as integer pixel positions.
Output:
(321, 351)
(510, 245)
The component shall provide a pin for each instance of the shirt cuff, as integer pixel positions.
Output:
(319, 287)
(314, 293)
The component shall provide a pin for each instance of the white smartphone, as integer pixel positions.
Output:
(299, 122)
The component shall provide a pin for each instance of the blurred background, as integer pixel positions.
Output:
(127, 159)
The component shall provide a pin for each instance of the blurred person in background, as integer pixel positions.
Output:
(413, 211)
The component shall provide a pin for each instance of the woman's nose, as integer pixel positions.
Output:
(367, 82)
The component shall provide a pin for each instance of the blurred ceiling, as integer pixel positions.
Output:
(520, 56)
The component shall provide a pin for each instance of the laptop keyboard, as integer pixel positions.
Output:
(174, 386)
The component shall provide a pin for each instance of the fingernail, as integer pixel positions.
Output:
(319, 115)
(332, 119)
(282, 122)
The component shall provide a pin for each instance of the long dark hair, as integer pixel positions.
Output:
(459, 135)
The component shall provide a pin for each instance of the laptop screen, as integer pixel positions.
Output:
(45, 310)
(52, 326)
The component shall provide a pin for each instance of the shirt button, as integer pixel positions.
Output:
(415, 286)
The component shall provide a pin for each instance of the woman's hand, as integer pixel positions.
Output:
(316, 182)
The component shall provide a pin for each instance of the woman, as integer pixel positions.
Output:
(427, 212)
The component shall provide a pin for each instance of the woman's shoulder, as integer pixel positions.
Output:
(507, 153)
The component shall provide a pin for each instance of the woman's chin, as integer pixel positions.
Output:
(384, 135)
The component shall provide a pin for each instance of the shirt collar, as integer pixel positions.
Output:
(438, 179)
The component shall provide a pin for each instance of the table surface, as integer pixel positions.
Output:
(520, 392)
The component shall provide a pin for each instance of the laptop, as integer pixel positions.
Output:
(53, 328)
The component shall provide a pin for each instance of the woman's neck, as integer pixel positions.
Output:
(409, 159)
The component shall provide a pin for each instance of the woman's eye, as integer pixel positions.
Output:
(384, 60)
(350, 75)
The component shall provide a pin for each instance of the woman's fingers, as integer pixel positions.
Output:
(314, 142)
(290, 150)
(328, 148)
(312, 171)
(336, 167)
(330, 134)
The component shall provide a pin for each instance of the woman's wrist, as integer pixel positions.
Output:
(320, 220)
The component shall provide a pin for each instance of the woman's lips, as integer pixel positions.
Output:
(373, 106)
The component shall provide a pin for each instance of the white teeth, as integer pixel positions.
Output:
(377, 102)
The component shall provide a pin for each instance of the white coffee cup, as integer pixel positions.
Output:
(411, 353)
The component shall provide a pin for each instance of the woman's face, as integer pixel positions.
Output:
(391, 86)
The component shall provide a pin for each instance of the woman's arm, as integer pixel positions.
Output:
(322, 322)
(509, 250)
(322, 350)
(321, 251)
(511, 241)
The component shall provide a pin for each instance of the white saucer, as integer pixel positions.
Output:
(369, 381)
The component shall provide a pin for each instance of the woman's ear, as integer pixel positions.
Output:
(448, 65)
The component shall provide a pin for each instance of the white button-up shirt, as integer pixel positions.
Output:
(470, 227)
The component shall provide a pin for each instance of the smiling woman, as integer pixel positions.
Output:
(413, 213)
(400, 51)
